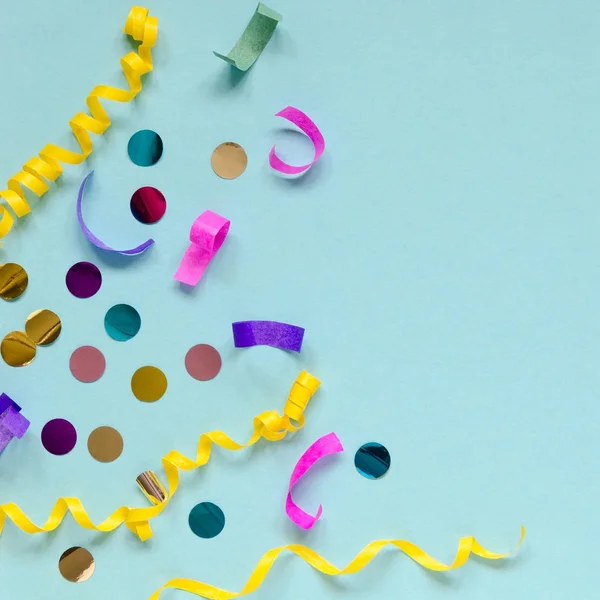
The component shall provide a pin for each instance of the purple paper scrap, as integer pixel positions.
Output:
(14, 422)
(267, 333)
(6, 401)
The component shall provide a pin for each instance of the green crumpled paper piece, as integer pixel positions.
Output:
(254, 39)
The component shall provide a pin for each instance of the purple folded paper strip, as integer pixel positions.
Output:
(5, 438)
(14, 422)
(6, 401)
(267, 333)
(96, 241)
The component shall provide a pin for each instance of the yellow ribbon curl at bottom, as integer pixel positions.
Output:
(142, 28)
(466, 547)
(269, 425)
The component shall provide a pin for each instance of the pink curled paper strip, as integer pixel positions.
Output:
(303, 122)
(328, 444)
(207, 235)
(96, 241)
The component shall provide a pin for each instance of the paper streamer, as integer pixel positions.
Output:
(207, 235)
(324, 446)
(466, 546)
(46, 167)
(267, 333)
(12, 423)
(304, 123)
(92, 238)
(269, 425)
(254, 39)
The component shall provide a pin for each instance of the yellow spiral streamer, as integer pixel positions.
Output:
(466, 547)
(269, 425)
(36, 171)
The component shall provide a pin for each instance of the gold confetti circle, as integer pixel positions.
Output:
(105, 444)
(76, 564)
(149, 384)
(43, 326)
(229, 160)
(13, 281)
(17, 349)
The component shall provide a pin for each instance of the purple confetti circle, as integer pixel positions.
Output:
(84, 279)
(59, 437)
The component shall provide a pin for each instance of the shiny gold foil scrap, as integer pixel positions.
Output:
(17, 349)
(76, 564)
(43, 326)
(229, 160)
(152, 487)
(13, 281)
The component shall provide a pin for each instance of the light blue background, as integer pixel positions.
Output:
(442, 256)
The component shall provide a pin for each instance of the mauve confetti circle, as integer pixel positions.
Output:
(148, 205)
(87, 364)
(203, 362)
(84, 279)
(59, 437)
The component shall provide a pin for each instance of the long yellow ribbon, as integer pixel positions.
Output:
(142, 28)
(466, 547)
(269, 425)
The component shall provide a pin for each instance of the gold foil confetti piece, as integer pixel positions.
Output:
(13, 280)
(269, 425)
(466, 546)
(76, 564)
(229, 160)
(17, 349)
(149, 384)
(105, 444)
(152, 487)
(43, 326)
(45, 167)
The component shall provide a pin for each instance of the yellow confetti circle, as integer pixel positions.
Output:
(43, 326)
(149, 384)
(17, 349)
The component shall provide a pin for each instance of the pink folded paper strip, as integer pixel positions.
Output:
(304, 123)
(328, 444)
(207, 235)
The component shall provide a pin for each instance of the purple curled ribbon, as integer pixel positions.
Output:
(267, 333)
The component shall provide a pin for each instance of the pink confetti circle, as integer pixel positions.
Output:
(203, 362)
(87, 364)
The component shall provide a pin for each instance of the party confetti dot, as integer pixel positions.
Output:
(145, 148)
(76, 564)
(87, 364)
(148, 384)
(84, 279)
(59, 437)
(13, 281)
(105, 444)
(203, 362)
(122, 322)
(206, 520)
(17, 349)
(372, 460)
(148, 205)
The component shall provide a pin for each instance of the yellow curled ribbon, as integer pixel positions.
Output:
(466, 546)
(142, 28)
(269, 425)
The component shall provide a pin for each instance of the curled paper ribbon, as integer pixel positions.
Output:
(328, 444)
(269, 425)
(267, 333)
(466, 547)
(96, 241)
(303, 122)
(142, 28)
(207, 235)
(254, 39)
